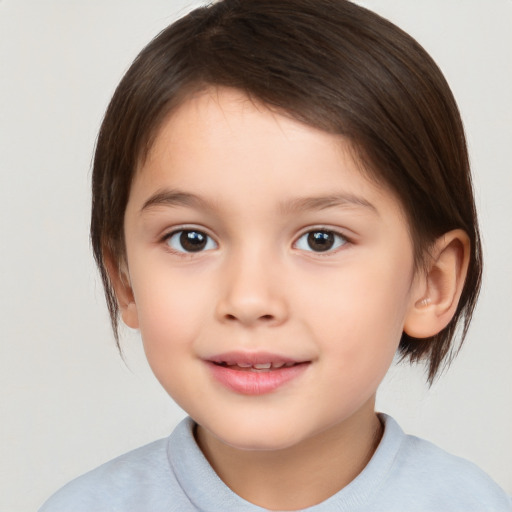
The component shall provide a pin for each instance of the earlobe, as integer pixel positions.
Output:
(437, 293)
(120, 279)
(129, 315)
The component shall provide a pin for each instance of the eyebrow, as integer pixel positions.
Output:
(324, 202)
(175, 198)
(171, 198)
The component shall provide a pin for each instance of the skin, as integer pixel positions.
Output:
(256, 183)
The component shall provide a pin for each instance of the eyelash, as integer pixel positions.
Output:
(178, 234)
(326, 235)
(339, 240)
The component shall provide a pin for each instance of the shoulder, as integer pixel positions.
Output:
(138, 480)
(432, 479)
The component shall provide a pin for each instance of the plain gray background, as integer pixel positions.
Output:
(67, 401)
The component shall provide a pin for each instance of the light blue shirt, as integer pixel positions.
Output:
(172, 475)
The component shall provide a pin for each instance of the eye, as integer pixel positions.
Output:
(320, 240)
(190, 240)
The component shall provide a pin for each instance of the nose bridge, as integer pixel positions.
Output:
(253, 292)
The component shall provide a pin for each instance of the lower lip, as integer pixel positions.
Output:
(255, 382)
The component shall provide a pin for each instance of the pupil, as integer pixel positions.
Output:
(320, 240)
(193, 241)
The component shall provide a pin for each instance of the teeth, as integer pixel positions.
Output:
(257, 366)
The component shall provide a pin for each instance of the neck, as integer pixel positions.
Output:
(302, 475)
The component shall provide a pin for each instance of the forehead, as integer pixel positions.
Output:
(221, 137)
(223, 117)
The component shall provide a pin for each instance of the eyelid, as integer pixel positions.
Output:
(335, 231)
(169, 233)
(171, 230)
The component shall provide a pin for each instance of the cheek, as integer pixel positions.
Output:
(170, 319)
(168, 312)
(359, 315)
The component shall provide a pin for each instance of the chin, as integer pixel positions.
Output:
(259, 436)
(260, 444)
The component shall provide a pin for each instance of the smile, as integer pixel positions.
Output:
(257, 367)
(255, 374)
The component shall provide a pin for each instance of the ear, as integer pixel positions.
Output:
(437, 291)
(120, 279)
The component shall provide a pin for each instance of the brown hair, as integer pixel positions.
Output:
(332, 65)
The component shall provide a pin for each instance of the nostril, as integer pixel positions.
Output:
(265, 318)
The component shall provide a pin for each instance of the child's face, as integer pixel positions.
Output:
(252, 238)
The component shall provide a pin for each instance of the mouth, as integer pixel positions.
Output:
(255, 367)
(255, 374)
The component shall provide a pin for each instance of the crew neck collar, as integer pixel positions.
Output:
(205, 489)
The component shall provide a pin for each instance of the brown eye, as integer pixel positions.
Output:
(320, 240)
(190, 240)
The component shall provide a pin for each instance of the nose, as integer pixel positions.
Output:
(253, 292)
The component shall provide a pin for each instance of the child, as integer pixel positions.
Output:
(281, 201)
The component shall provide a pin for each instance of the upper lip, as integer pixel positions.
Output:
(252, 358)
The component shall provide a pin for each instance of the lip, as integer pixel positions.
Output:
(251, 381)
